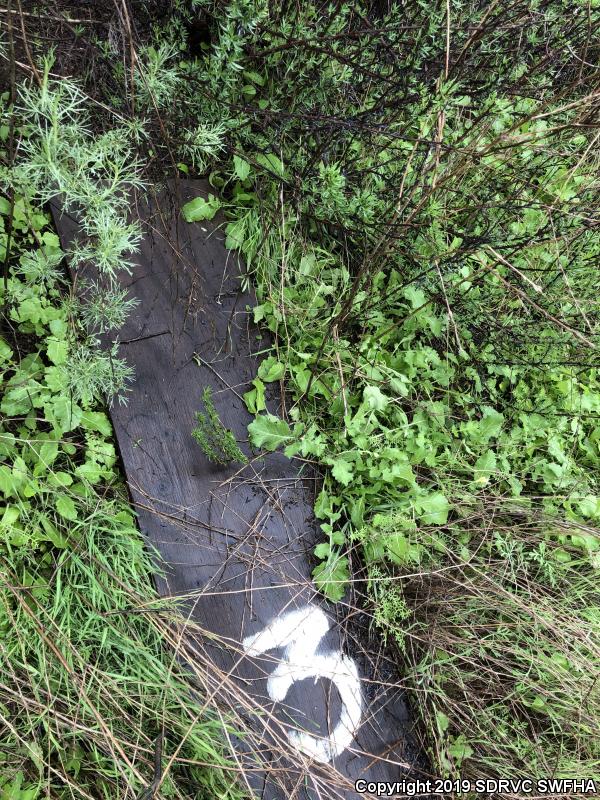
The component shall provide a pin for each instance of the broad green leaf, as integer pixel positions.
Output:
(553, 473)
(589, 506)
(307, 264)
(323, 550)
(342, 471)
(63, 413)
(539, 703)
(48, 453)
(10, 516)
(96, 421)
(415, 296)
(255, 77)
(271, 369)
(7, 444)
(269, 432)
(90, 471)
(59, 478)
(272, 163)
(31, 488)
(255, 398)
(301, 376)
(241, 168)
(313, 443)
(491, 423)
(398, 548)
(7, 483)
(484, 467)
(375, 398)
(259, 312)
(20, 399)
(324, 505)
(331, 577)
(357, 511)
(58, 328)
(398, 472)
(561, 555)
(30, 310)
(53, 534)
(199, 208)
(58, 350)
(235, 232)
(20, 472)
(459, 749)
(587, 542)
(5, 352)
(442, 721)
(434, 508)
(291, 450)
(51, 241)
(66, 507)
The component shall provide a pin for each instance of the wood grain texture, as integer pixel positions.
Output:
(236, 541)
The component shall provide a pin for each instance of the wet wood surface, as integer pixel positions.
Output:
(235, 540)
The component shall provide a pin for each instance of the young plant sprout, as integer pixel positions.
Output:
(217, 442)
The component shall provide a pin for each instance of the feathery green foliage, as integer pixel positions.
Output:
(92, 175)
(217, 442)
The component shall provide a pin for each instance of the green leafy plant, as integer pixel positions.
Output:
(13, 789)
(217, 442)
(92, 676)
(414, 190)
(418, 228)
(93, 175)
(88, 686)
(199, 208)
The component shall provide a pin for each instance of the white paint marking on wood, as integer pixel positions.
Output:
(299, 633)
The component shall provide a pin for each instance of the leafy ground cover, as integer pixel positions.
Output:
(415, 193)
(93, 701)
(414, 190)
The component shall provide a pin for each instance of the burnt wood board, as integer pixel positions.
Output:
(236, 541)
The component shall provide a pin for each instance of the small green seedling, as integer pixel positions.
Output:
(217, 442)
